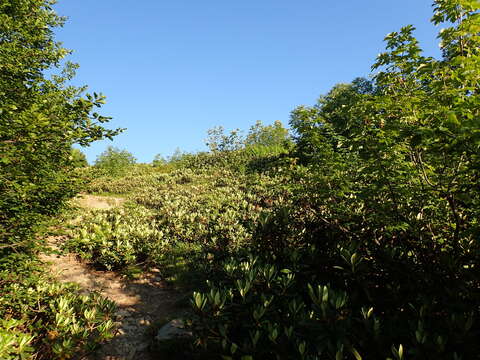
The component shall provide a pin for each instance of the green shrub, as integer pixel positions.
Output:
(44, 319)
(378, 242)
(338, 309)
(116, 238)
(14, 343)
(178, 221)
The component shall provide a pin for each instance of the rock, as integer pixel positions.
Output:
(172, 330)
(145, 322)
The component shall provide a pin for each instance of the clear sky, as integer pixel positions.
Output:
(172, 69)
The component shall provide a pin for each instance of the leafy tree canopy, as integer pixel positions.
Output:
(218, 141)
(78, 158)
(259, 135)
(41, 117)
(267, 135)
(114, 160)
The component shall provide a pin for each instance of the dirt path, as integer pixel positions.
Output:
(141, 302)
(98, 202)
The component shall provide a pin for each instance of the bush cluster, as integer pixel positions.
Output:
(379, 244)
(42, 319)
(172, 217)
(358, 241)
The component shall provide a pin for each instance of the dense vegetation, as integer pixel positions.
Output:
(40, 119)
(356, 238)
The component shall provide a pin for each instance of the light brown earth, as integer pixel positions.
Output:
(141, 302)
(98, 202)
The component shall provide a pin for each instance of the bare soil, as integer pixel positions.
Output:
(143, 303)
(98, 202)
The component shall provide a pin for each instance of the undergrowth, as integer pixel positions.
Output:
(43, 319)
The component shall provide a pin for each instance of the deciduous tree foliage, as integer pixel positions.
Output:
(377, 256)
(267, 135)
(40, 118)
(333, 110)
(114, 161)
(78, 158)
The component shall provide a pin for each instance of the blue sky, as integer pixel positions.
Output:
(173, 69)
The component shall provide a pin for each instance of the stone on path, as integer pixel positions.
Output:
(173, 330)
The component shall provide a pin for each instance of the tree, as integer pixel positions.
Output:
(267, 135)
(334, 113)
(217, 141)
(114, 161)
(78, 158)
(41, 117)
(159, 160)
(177, 155)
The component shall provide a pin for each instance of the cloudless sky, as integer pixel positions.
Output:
(172, 69)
